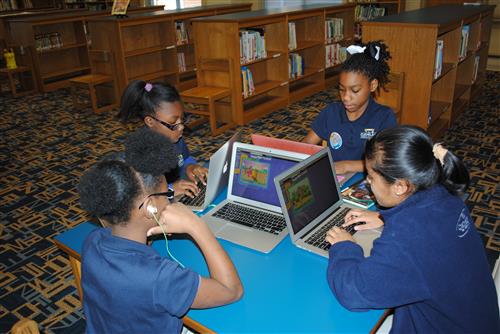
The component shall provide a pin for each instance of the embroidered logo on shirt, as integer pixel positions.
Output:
(335, 140)
(180, 160)
(367, 134)
(463, 224)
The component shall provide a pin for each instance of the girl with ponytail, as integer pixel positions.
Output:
(429, 263)
(347, 125)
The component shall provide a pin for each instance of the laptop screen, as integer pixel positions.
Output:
(309, 192)
(253, 175)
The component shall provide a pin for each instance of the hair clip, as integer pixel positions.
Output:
(439, 152)
(353, 49)
(148, 87)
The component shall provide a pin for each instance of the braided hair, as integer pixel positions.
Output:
(366, 63)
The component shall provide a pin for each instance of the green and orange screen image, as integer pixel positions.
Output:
(254, 172)
(299, 195)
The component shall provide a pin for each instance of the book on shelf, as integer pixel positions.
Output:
(181, 33)
(438, 66)
(252, 45)
(292, 36)
(247, 79)
(295, 65)
(464, 40)
(181, 62)
(334, 54)
(334, 29)
(359, 194)
(475, 69)
(365, 13)
(48, 41)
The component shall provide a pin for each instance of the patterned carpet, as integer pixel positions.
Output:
(46, 145)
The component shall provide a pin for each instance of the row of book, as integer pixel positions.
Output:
(181, 33)
(252, 45)
(335, 54)
(438, 64)
(48, 41)
(464, 40)
(292, 36)
(334, 29)
(475, 69)
(247, 79)
(364, 13)
(14, 4)
(295, 65)
(181, 62)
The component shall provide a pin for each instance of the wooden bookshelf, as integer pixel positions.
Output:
(366, 8)
(434, 103)
(219, 37)
(146, 46)
(21, 5)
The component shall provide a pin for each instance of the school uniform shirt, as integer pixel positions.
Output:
(129, 288)
(184, 159)
(347, 139)
(429, 263)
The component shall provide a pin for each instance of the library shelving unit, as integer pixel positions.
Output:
(60, 43)
(429, 101)
(366, 10)
(273, 88)
(21, 5)
(146, 45)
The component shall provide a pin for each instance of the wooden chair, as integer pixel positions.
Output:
(23, 74)
(100, 83)
(393, 97)
(212, 94)
(25, 326)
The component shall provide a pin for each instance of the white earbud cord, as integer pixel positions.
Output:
(166, 242)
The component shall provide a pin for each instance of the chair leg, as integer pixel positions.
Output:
(12, 84)
(212, 118)
(74, 96)
(93, 98)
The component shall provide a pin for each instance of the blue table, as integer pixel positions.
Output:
(285, 290)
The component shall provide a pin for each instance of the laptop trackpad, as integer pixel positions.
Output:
(365, 239)
(234, 233)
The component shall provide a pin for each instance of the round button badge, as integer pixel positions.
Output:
(335, 140)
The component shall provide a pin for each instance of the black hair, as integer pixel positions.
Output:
(406, 152)
(366, 64)
(110, 189)
(140, 99)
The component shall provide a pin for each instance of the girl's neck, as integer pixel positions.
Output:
(132, 231)
(353, 116)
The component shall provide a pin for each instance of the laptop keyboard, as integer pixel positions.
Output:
(317, 239)
(198, 200)
(257, 219)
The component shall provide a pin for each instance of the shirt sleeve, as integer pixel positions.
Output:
(321, 122)
(390, 120)
(388, 278)
(175, 288)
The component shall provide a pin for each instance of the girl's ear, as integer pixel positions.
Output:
(148, 121)
(402, 188)
(373, 85)
(148, 209)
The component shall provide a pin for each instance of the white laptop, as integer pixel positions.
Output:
(218, 175)
(251, 215)
(310, 198)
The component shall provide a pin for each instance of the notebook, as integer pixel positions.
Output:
(312, 204)
(294, 146)
(251, 215)
(218, 176)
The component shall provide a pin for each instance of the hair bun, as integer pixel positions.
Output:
(377, 50)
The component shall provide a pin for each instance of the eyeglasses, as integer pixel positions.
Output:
(171, 127)
(168, 194)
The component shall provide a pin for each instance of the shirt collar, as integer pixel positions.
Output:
(125, 245)
(365, 117)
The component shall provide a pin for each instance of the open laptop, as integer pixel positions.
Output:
(310, 198)
(251, 215)
(294, 146)
(218, 176)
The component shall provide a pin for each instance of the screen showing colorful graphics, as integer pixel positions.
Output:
(253, 175)
(309, 192)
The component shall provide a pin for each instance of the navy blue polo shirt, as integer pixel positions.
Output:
(129, 288)
(184, 159)
(347, 139)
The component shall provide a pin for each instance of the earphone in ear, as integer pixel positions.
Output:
(152, 209)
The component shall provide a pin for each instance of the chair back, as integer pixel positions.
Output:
(101, 62)
(214, 72)
(393, 97)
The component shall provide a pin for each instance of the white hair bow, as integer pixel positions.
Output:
(360, 49)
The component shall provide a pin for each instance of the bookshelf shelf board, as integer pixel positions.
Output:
(184, 45)
(270, 55)
(145, 51)
(447, 67)
(60, 73)
(189, 69)
(260, 106)
(461, 60)
(460, 89)
(153, 75)
(458, 106)
(438, 128)
(297, 86)
(308, 71)
(264, 87)
(64, 47)
(438, 108)
(332, 68)
(302, 45)
(342, 41)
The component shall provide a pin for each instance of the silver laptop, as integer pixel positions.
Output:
(312, 204)
(218, 176)
(251, 215)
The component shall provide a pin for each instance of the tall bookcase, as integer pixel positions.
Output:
(146, 46)
(366, 10)
(273, 88)
(429, 101)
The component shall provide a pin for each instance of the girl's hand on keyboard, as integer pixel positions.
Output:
(338, 234)
(185, 187)
(197, 173)
(367, 220)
